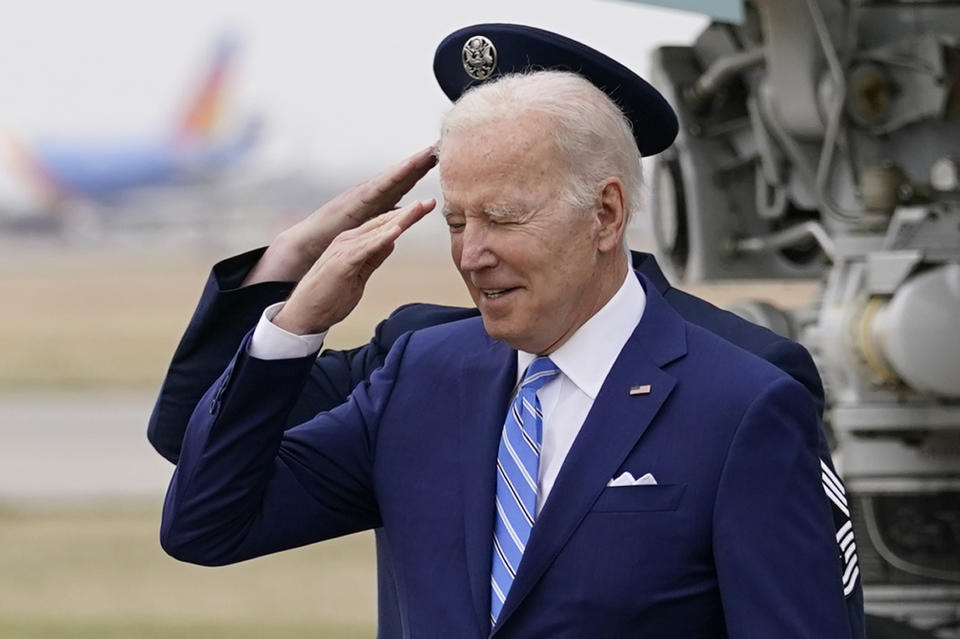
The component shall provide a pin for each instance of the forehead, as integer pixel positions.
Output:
(506, 163)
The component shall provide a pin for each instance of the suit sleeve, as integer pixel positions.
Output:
(776, 556)
(226, 312)
(338, 372)
(245, 486)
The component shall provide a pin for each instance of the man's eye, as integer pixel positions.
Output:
(455, 227)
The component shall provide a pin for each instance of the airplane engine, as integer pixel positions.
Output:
(821, 139)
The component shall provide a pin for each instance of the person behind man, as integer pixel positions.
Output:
(646, 479)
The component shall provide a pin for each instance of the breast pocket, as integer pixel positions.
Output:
(620, 499)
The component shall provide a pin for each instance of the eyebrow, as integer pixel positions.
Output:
(502, 211)
(496, 212)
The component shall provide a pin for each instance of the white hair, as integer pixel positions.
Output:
(593, 138)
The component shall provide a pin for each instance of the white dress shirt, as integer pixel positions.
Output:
(269, 341)
(584, 361)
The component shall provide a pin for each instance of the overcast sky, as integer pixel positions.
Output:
(340, 84)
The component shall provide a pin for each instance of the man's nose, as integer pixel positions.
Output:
(475, 251)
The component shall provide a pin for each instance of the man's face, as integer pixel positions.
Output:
(529, 260)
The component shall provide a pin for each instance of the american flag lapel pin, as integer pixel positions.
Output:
(643, 389)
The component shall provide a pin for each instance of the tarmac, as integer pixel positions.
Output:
(78, 446)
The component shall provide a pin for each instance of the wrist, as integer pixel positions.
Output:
(289, 321)
(302, 244)
(292, 252)
(287, 259)
(270, 342)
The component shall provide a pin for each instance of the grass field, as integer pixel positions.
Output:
(83, 320)
(100, 573)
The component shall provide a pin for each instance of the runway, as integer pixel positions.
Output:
(77, 446)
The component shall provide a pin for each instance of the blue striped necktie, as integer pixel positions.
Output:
(518, 465)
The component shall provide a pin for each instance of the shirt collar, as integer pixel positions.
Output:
(589, 354)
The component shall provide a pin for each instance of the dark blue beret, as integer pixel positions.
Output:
(474, 54)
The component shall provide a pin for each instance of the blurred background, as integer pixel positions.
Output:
(142, 142)
(139, 144)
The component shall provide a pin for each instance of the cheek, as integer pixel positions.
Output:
(570, 264)
(456, 249)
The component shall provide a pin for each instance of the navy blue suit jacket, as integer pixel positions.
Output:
(736, 540)
(226, 312)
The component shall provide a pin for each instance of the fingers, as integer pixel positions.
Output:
(386, 189)
(409, 215)
(377, 258)
(378, 239)
(365, 248)
(404, 217)
(391, 225)
(410, 170)
(335, 281)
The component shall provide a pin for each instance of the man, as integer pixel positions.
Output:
(673, 498)
(228, 310)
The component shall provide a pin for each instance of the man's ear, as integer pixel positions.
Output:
(611, 215)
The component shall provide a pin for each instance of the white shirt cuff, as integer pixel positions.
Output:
(269, 341)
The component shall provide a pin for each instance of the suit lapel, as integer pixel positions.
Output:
(487, 380)
(612, 429)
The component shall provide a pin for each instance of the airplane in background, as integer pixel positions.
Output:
(40, 179)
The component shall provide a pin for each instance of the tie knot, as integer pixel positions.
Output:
(540, 371)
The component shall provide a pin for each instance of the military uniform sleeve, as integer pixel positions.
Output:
(225, 313)
(795, 361)
(792, 358)
(776, 556)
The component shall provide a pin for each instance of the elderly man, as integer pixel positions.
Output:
(581, 461)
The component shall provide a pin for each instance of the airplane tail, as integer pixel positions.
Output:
(29, 172)
(203, 114)
(198, 147)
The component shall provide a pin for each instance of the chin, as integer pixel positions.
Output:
(503, 332)
(494, 328)
(498, 329)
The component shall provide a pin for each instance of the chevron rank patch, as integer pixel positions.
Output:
(837, 495)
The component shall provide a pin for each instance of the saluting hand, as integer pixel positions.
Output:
(294, 250)
(334, 284)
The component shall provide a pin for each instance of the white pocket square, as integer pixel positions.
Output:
(626, 479)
